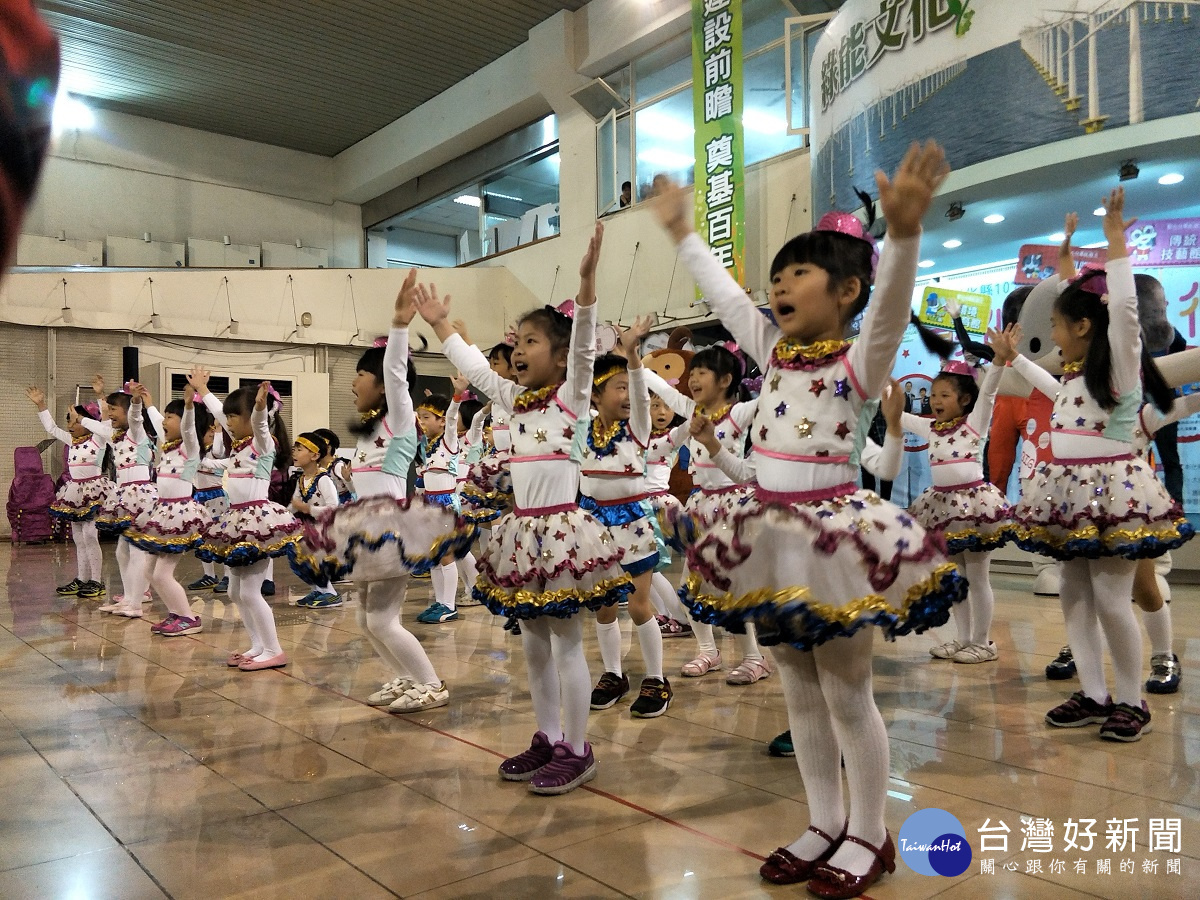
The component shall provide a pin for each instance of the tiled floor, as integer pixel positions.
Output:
(133, 766)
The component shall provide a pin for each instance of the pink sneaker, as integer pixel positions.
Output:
(524, 766)
(565, 771)
(179, 625)
(750, 671)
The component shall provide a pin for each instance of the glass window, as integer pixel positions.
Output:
(663, 69)
(619, 82)
(804, 37)
(665, 140)
(762, 23)
(764, 114)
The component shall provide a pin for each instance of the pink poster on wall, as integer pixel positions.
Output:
(1038, 261)
(1165, 242)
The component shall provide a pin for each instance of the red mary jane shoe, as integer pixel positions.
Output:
(833, 883)
(782, 867)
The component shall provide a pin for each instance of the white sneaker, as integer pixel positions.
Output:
(390, 692)
(976, 653)
(419, 697)
(946, 650)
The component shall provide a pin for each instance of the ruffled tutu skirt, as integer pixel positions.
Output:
(972, 519)
(124, 504)
(805, 568)
(249, 532)
(214, 500)
(552, 564)
(487, 493)
(667, 509)
(1093, 510)
(377, 538)
(170, 526)
(685, 525)
(632, 528)
(81, 501)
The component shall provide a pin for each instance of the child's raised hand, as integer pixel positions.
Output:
(198, 379)
(432, 308)
(1069, 225)
(1004, 343)
(905, 197)
(461, 383)
(406, 301)
(632, 337)
(671, 207)
(37, 395)
(98, 385)
(588, 266)
(264, 390)
(952, 308)
(1115, 223)
(891, 404)
(461, 327)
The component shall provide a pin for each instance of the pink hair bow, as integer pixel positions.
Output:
(1095, 281)
(380, 341)
(567, 308)
(960, 367)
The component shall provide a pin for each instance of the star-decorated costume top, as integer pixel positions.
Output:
(83, 494)
(546, 557)
(133, 454)
(1096, 497)
(439, 471)
(176, 522)
(806, 555)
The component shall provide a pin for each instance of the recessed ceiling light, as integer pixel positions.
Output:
(1099, 211)
(1057, 238)
(926, 264)
(1171, 178)
(469, 200)
(993, 219)
(952, 243)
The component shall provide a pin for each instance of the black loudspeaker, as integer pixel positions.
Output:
(129, 364)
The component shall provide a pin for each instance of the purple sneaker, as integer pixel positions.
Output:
(523, 766)
(1127, 723)
(565, 771)
(1078, 710)
(180, 625)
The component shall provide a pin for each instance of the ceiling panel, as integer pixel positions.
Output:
(311, 76)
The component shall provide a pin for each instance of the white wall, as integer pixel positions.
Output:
(129, 175)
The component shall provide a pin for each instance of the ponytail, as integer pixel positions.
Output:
(934, 342)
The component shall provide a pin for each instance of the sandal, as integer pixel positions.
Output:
(701, 665)
(782, 867)
(833, 883)
(750, 671)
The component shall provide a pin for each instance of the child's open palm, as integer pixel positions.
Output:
(905, 197)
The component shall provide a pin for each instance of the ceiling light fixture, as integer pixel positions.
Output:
(1099, 211)
(993, 219)
(1129, 170)
(1171, 178)
(952, 243)
(469, 200)
(926, 264)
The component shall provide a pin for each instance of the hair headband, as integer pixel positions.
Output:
(308, 445)
(851, 226)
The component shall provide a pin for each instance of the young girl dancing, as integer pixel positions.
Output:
(379, 539)
(661, 455)
(613, 488)
(210, 490)
(1096, 505)
(438, 418)
(176, 523)
(808, 557)
(971, 515)
(315, 491)
(81, 497)
(254, 530)
(546, 559)
(715, 379)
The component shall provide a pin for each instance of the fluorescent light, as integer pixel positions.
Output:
(993, 219)
(952, 243)
(926, 264)
(1058, 237)
(666, 159)
(71, 114)
(469, 200)
(1099, 211)
(763, 123)
(504, 196)
(1171, 178)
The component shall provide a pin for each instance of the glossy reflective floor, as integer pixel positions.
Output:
(135, 766)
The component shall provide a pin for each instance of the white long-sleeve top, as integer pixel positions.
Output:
(806, 433)
(440, 469)
(730, 424)
(617, 470)
(956, 447)
(883, 461)
(319, 493)
(1150, 419)
(1081, 429)
(84, 455)
(132, 451)
(180, 460)
(249, 466)
(543, 423)
(212, 464)
(382, 457)
(661, 453)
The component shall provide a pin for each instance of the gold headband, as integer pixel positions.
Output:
(308, 445)
(440, 413)
(599, 380)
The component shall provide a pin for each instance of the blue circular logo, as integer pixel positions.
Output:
(933, 842)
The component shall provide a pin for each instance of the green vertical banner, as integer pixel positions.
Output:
(720, 149)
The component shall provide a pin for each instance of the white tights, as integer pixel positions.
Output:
(1095, 603)
(123, 550)
(973, 618)
(379, 607)
(168, 588)
(832, 714)
(559, 681)
(245, 587)
(88, 559)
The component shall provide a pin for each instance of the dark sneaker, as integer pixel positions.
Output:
(609, 689)
(782, 745)
(92, 590)
(653, 699)
(325, 601)
(1127, 723)
(203, 583)
(1079, 710)
(1164, 674)
(222, 586)
(1063, 666)
(565, 771)
(268, 589)
(525, 765)
(70, 589)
